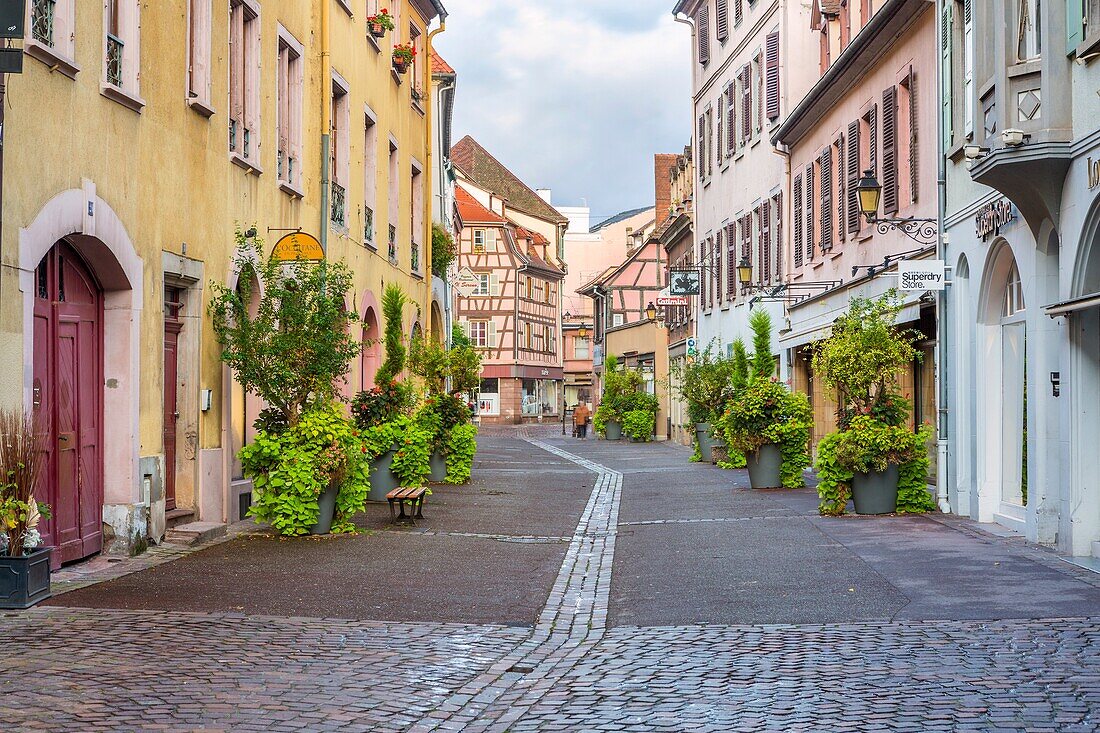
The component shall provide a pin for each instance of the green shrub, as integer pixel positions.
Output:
(622, 393)
(444, 250)
(411, 444)
(639, 424)
(461, 447)
(767, 412)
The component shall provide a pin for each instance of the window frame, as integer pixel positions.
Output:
(199, 80)
(244, 102)
(127, 39)
(289, 93)
(61, 50)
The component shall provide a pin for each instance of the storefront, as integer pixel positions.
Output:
(514, 394)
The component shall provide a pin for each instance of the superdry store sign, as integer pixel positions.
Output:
(992, 217)
(920, 275)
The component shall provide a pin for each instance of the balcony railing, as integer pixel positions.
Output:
(114, 60)
(414, 257)
(232, 135)
(42, 13)
(339, 194)
(368, 224)
(393, 245)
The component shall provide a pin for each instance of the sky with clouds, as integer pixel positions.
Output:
(573, 95)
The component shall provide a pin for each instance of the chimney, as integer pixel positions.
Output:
(662, 185)
(544, 194)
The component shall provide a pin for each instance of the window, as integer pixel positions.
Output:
(757, 110)
(771, 71)
(720, 136)
(527, 336)
(50, 36)
(340, 150)
(701, 149)
(482, 284)
(417, 215)
(908, 163)
(731, 119)
(721, 19)
(198, 55)
(889, 150)
(479, 333)
(479, 241)
(121, 50)
(370, 179)
(796, 216)
(1030, 30)
(710, 136)
(616, 319)
(417, 90)
(289, 114)
(580, 347)
(702, 33)
(394, 201)
(744, 83)
(1014, 294)
(395, 34)
(244, 94)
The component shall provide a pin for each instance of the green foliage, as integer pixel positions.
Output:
(429, 361)
(706, 384)
(290, 470)
(459, 337)
(639, 424)
(767, 412)
(461, 447)
(411, 443)
(444, 250)
(740, 368)
(863, 356)
(763, 364)
(696, 451)
(834, 481)
(270, 420)
(382, 404)
(440, 415)
(298, 344)
(393, 306)
(734, 459)
(622, 393)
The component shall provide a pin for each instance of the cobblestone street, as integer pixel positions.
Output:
(576, 586)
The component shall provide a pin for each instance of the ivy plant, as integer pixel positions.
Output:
(461, 447)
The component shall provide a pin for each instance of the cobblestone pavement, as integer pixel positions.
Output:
(577, 669)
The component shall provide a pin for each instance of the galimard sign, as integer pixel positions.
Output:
(920, 275)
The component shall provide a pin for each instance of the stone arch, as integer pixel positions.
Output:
(371, 357)
(1086, 270)
(437, 325)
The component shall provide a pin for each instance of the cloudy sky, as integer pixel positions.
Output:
(573, 95)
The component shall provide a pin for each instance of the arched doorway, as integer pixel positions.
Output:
(67, 400)
(438, 334)
(1003, 326)
(244, 407)
(372, 347)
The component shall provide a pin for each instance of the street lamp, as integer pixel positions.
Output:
(869, 194)
(651, 311)
(583, 331)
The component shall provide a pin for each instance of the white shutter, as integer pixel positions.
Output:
(491, 240)
(494, 284)
(492, 334)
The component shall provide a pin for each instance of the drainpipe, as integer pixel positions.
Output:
(942, 426)
(326, 124)
(785, 150)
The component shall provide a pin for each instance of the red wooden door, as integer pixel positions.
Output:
(67, 400)
(172, 329)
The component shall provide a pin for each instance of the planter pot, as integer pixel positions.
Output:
(876, 492)
(326, 502)
(438, 462)
(707, 444)
(377, 30)
(614, 430)
(24, 581)
(382, 480)
(764, 467)
(400, 65)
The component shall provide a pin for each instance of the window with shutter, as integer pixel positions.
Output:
(720, 129)
(911, 85)
(778, 246)
(738, 11)
(766, 242)
(710, 262)
(758, 90)
(702, 28)
(810, 193)
(716, 266)
(771, 52)
(746, 103)
(709, 136)
(721, 19)
(872, 124)
(889, 150)
(841, 183)
(731, 119)
(853, 177)
(746, 236)
(826, 199)
(701, 152)
(796, 214)
(731, 258)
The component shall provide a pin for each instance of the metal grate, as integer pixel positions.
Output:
(339, 194)
(414, 257)
(42, 14)
(114, 60)
(393, 245)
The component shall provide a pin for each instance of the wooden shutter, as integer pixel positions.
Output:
(731, 118)
(746, 103)
(841, 188)
(771, 54)
(766, 241)
(491, 333)
(716, 271)
(701, 152)
(746, 236)
(779, 237)
(827, 199)
(721, 19)
(913, 125)
(1075, 24)
(796, 214)
(947, 18)
(889, 150)
(759, 119)
(872, 141)
(853, 177)
(810, 212)
(738, 11)
(702, 28)
(494, 284)
(731, 258)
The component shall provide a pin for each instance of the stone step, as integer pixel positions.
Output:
(176, 517)
(194, 533)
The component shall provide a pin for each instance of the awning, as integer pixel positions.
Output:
(1072, 306)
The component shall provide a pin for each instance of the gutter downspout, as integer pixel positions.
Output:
(694, 330)
(942, 412)
(326, 124)
(785, 150)
(429, 200)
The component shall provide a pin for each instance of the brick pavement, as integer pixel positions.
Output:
(574, 671)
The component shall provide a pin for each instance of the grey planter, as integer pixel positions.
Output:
(707, 444)
(876, 492)
(24, 581)
(438, 462)
(764, 467)
(382, 480)
(327, 505)
(614, 430)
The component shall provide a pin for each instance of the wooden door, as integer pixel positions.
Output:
(172, 327)
(67, 401)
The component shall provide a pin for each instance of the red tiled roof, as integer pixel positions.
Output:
(439, 65)
(535, 237)
(472, 211)
(490, 174)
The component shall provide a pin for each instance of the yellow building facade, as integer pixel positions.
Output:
(138, 139)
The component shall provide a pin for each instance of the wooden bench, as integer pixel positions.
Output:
(413, 497)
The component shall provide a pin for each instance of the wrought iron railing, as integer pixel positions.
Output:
(414, 257)
(42, 14)
(368, 224)
(114, 60)
(339, 194)
(232, 135)
(393, 245)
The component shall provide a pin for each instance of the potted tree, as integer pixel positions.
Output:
(874, 456)
(403, 55)
(707, 384)
(619, 384)
(24, 562)
(639, 411)
(306, 464)
(380, 22)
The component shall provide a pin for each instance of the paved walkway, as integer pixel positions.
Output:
(727, 610)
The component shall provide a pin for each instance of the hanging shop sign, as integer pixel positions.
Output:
(298, 246)
(992, 217)
(684, 282)
(920, 275)
(672, 300)
(466, 282)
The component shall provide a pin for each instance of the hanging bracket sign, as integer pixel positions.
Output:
(298, 246)
(684, 282)
(467, 282)
(921, 275)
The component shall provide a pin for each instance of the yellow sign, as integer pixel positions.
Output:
(298, 246)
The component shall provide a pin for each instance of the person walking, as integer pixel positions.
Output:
(580, 420)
